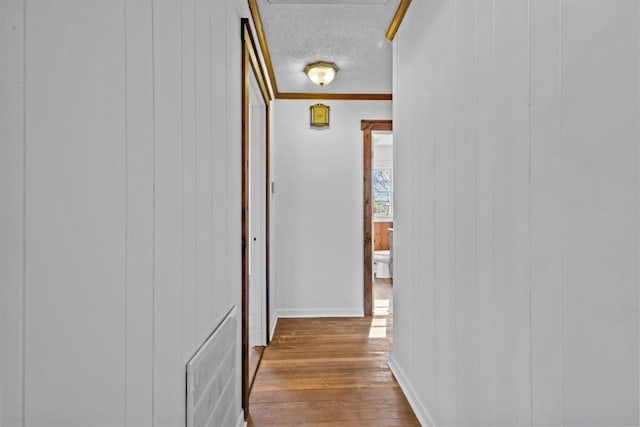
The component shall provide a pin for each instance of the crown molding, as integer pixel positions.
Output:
(247, 37)
(266, 55)
(397, 19)
(336, 96)
(262, 42)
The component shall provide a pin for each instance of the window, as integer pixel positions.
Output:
(382, 193)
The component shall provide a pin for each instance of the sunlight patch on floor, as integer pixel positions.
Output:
(378, 321)
(381, 307)
(378, 326)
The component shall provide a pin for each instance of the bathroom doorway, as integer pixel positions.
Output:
(371, 129)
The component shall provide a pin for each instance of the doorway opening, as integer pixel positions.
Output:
(255, 184)
(369, 128)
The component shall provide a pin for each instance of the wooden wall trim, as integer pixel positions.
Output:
(397, 19)
(376, 125)
(336, 96)
(266, 55)
(262, 41)
(246, 64)
(381, 235)
(247, 37)
(367, 243)
(250, 62)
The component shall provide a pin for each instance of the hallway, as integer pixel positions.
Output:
(125, 211)
(331, 371)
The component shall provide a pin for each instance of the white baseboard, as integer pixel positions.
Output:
(421, 412)
(320, 312)
(273, 322)
(241, 422)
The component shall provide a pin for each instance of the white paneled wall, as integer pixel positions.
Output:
(120, 189)
(11, 212)
(317, 208)
(516, 234)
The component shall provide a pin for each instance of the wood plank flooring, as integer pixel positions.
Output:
(331, 371)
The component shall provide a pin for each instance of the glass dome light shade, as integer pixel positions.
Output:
(321, 72)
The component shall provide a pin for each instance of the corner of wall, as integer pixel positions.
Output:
(241, 422)
(273, 323)
(412, 396)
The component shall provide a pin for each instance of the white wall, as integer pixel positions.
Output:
(120, 188)
(317, 207)
(516, 234)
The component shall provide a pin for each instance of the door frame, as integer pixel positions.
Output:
(367, 127)
(251, 64)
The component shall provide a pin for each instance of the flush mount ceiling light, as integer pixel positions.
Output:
(321, 72)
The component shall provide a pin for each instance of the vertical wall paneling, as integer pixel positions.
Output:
(168, 373)
(485, 128)
(219, 143)
(444, 188)
(465, 211)
(203, 168)
(423, 212)
(140, 204)
(511, 200)
(12, 28)
(410, 218)
(233, 133)
(546, 214)
(535, 186)
(75, 226)
(397, 210)
(116, 192)
(232, 163)
(193, 333)
(599, 133)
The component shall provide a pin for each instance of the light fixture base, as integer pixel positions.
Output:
(321, 72)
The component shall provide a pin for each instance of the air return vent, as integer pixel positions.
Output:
(211, 378)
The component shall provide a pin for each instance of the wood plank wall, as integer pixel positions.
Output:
(381, 235)
(119, 243)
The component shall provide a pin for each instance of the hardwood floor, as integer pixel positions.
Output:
(331, 371)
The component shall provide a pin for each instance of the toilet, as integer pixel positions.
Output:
(381, 261)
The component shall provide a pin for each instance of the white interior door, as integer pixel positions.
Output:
(257, 217)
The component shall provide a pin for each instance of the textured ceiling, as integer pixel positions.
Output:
(350, 33)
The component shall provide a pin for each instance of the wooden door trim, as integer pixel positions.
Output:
(367, 127)
(250, 63)
(379, 125)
